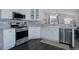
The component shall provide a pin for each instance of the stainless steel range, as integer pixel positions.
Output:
(21, 32)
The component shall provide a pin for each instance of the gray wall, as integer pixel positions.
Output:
(7, 13)
(0, 13)
(71, 12)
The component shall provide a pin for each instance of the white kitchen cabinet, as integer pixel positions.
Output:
(35, 14)
(7, 38)
(50, 33)
(34, 32)
(44, 32)
(53, 34)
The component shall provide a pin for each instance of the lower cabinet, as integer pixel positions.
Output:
(43, 32)
(7, 38)
(50, 33)
(34, 32)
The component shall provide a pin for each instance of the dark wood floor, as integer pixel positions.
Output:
(35, 44)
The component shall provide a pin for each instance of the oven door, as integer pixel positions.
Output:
(21, 34)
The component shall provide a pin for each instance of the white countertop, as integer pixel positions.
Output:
(38, 24)
(6, 28)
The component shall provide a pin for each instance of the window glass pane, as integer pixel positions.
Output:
(37, 13)
(32, 13)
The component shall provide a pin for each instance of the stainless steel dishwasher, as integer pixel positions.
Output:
(65, 36)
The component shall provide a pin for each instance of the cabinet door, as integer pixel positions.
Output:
(56, 34)
(50, 33)
(53, 34)
(34, 32)
(35, 14)
(44, 32)
(9, 38)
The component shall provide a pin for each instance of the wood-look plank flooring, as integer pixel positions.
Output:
(35, 44)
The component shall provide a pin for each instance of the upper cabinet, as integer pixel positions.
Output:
(35, 14)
